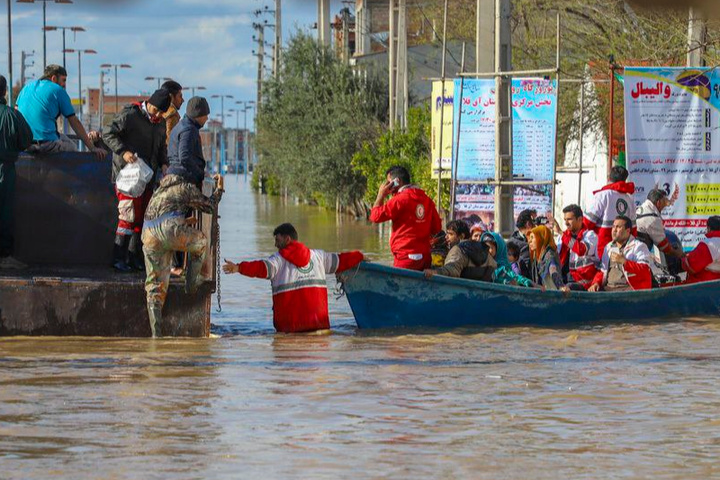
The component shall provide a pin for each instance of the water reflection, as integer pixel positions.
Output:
(625, 401)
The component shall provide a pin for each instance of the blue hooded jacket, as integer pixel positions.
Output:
(503, 273)
(185, 151)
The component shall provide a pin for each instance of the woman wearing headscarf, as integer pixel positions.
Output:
(545, 263)
(504, 273)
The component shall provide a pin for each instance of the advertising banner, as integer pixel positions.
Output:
(534, 109)
(672, 116)
(438, 104)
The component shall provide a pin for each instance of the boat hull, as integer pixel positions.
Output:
(384, 297)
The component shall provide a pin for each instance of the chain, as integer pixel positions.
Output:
(217, 258)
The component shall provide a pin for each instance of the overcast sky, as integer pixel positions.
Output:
(196, 42)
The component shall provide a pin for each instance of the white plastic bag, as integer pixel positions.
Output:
(133, 178)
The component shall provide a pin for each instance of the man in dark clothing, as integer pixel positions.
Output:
(185, 152)
(15, 136)
(138, 131)
(525, 222)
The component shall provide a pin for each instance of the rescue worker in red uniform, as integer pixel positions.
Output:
(298, 278)
(613, 200)
(415, 219)
(703, 263)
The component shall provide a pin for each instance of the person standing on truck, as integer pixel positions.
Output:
(172, 116)
(138, 131)
(15, 136)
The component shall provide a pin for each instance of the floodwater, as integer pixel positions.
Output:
(616, 402)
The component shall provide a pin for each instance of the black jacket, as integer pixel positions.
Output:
(185, 151)
(15, 133)
(524, 260)
(131, 130)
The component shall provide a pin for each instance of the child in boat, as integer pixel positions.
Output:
(513, 253)
(504, 273)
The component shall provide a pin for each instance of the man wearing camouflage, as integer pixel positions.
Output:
(166, 230)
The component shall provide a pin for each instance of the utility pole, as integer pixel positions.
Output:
(485, 36)
(323, 23)
(24, 65)
(261, 58)
(278, 38)
(697, 38)
(346, 35)
(397, 56)
(504, 215)
(101, 107)
(10, 55)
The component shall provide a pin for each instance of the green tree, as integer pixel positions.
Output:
(313, 119)
(410, 149)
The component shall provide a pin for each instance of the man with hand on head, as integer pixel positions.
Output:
(415, 219)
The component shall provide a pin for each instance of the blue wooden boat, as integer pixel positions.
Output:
(383, 297)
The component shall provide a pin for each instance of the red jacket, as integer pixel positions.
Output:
(415, 221)
(609, 202)
(580, 253)
(703, 263)
(299, 285)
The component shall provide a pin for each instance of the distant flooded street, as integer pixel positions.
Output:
(617, 402)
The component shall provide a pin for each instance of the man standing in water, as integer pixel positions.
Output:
(298, 278)
(415, 219)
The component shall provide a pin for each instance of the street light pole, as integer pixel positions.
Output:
(116, 65)
(192, 89)
(45, 2)
(80, 96)
(10, 56)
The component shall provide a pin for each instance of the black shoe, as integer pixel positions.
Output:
(120, 253)
(135, 253)
(122, 267)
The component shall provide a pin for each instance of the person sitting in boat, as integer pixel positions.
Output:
(466, 259)
(613, 200)
(524, 223)
(503, 273)
(476, 231)
(650, 227)
(577, 249)
(545, 266)
(626, 262)
(298, 278)
(703, 263)
(513, 253)
(414, 219)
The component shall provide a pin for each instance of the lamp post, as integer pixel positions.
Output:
(45, 2)
(247, 105)
(192, 89)
(222, 107)
(10, 59)
(159, 79)
(80, 52)
(116, 66)
(72, 29)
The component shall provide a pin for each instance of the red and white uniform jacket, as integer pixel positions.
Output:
(299, 285)
(581, 253)
(650, 223)
(415, 221)
(703, 263)
(609, 202)
(637, 266)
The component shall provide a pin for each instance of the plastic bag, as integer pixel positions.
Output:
(133, 178)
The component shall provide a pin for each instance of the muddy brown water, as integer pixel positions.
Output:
(624, 401)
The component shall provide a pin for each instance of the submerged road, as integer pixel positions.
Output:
(616, 402)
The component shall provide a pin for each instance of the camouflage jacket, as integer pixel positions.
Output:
(176, 195)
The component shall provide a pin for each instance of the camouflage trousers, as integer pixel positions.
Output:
(159, 244)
